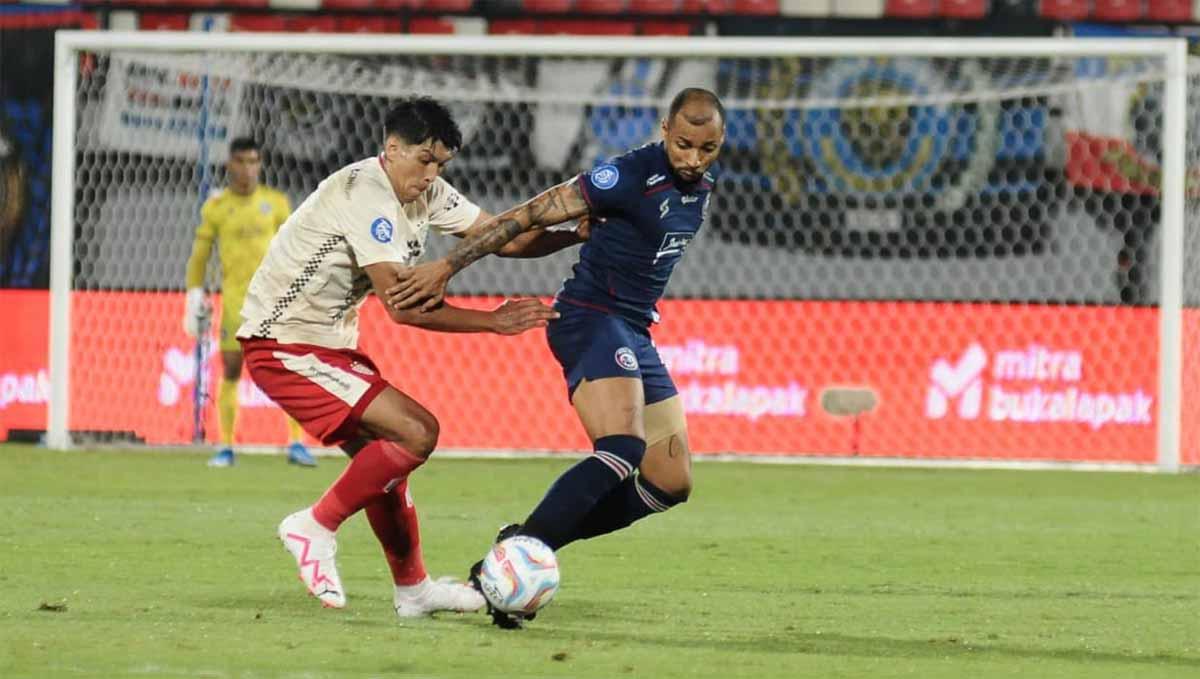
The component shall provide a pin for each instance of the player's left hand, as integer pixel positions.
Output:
(423, 285)
(516, 316)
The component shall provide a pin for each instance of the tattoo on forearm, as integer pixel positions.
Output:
(555, 206)
(486, 243)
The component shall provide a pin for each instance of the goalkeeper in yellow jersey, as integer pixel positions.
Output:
(242, 218)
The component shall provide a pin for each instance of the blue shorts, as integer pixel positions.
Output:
(593, 345)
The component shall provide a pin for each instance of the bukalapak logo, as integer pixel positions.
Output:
(1030, 385)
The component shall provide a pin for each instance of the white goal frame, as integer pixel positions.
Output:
(1173, 51)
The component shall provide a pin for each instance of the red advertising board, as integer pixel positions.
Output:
(950, 381)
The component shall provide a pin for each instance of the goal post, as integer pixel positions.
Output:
(987, 236)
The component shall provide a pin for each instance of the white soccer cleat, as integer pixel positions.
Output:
(444, 594)
(314, 546)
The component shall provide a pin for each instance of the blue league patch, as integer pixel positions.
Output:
(381, 230)
(605, 176)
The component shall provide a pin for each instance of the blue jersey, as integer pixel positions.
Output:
(650, 217)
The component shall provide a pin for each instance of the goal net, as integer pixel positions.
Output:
(946, 250)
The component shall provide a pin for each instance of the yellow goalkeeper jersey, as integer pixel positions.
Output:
(243, 227)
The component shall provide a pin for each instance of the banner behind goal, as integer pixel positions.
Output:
(921, 249)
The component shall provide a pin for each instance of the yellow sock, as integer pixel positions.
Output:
(227, 407)
(294, 431)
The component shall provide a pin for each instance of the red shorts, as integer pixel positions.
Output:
(325, 390)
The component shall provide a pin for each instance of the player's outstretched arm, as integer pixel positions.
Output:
(539, 242)
(513, 317)
(424, 285)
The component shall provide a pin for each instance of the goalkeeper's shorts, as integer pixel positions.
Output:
(325, 390)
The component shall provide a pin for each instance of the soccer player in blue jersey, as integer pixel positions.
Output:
(644, 207)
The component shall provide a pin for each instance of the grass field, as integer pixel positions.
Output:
(150, 565)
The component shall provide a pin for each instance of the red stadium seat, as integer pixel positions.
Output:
(224, 4)
(600, 6)
(512, 26)
(1118, 10)
(964, 9)
(547, 6)
(707, 6)
(370, 24)
(445, 5)
(668, 27)
(312, 24)
(654, 6)
(156, 21)
(1170, 10)
(756, 7)
(430, 25)
(348, 4)
(258, 23)
(911, 9)
(1065, 10)
(571, 27)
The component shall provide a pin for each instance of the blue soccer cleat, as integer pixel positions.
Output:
(298, 454)
(223, 458)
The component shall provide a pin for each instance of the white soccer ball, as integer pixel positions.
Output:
(519, 575)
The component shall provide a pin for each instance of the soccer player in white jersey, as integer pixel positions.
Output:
(300, 332)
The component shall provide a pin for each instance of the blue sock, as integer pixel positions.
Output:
(636, 498)
(573, 495)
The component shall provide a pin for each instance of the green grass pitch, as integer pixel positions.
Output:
(140, 564)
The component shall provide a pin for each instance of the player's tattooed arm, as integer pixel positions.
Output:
(424, 285)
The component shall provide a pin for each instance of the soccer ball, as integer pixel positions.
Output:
(520, 575)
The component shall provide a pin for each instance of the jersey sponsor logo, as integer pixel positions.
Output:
(381, 230)
(265, 207)
(655, 179)
(689, 199)
(673, 243)
(664, 208)
(626, 358)
(605, 176)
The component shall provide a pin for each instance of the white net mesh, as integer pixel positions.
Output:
(1020, 195)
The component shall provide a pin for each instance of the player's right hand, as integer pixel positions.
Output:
(196, 308)
(516, 316)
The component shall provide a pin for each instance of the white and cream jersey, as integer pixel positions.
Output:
(312, 280)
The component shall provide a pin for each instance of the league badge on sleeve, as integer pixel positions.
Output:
(605, 176)
(381, 230)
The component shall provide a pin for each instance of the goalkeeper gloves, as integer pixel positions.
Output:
(197, 309)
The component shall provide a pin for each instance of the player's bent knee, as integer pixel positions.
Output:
(668, 466)
(424, 438)
(679, 487)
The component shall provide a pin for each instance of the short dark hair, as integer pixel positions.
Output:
(239, 144)
(416, 119)
(690, 94)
